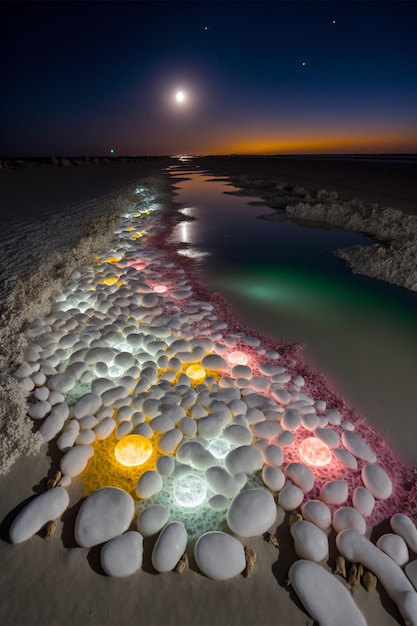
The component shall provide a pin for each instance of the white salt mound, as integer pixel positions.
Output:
(38, 512)
(219, 556)
(325, 598)
(103, 515)
(122, 556)
(357, 549)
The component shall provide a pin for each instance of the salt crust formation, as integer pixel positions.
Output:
(126, 348)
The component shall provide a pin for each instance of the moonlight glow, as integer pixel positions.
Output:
(180, 97)
(133, 450)
(190, 491)
(315, 452)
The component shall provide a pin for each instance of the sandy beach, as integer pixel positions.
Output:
(57, 219)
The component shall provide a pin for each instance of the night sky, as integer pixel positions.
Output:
(80, 78)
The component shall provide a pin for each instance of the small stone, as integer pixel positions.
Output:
(169, 547)
(369, 580)
(357, 446)
(182, 564)
(251, 558)
(376, 481)
(290, 497)
(310, 542)
(395, 547)
(340, 566)
(334, 492)
(149, 484)
(37, 513)
(122, 556)
(317, 512)
(219, 555)
(251, 512)
(301, 475)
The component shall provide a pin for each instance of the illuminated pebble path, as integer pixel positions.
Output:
(131, 347)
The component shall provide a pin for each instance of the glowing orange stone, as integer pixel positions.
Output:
(133, 450)
(195, 372)
(237, 358)
(315, 452)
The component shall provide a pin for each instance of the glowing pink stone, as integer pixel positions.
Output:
(237, 358)
(315, 452)
(160, 289)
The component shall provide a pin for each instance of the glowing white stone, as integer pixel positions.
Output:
(133, 450)
(123, 347)
(219, 448)
(115, 371)
(315, 452)
(190, 491)
(237, 358)
(160, 289)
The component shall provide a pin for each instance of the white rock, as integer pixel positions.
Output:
(395, 547)
(285, 439)
(290, 497)
(218, 502)
(67, 439)
(215, 362)
(347, 517)
(266, 429)
(188, 427)
(273, 455)
(123, 429)
(345, 458)
(301, 475)
(411, 571)
(165, 465)
(86, 437)
(310, 421)
(61, 382)
(330, 437)
(363, 501)
(152, 519)
(105, 428)
(51, 426)
(280, 395)
(43, 508)
(251, 512)
(75, 460)
(317, 512)
(291, 420)
(122, 556)
(273, 478)
(404, 526)
(210, 427)
(161, 424)
(221, 482)
(334, 492)
(357, 446)
(310, 542)
(357, 549)
(103, 515)
(88, 404)
(113, 394)
(149, 484)
(169, 547)
(376, 480)
(202, 459)
(237, 434)
(325, 598)
(170, 441)
(334, 417)
(219, 555)
(245, 459)
(39, 410)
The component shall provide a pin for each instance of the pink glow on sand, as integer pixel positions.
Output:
(315, 452)
(237, 358)
(138, 265)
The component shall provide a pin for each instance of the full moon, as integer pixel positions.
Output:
(180, 97)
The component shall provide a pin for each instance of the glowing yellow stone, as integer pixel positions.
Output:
(195, 372)
(111, 280)
(113, 259)
(237, 358)
(133, 450)
(315, 452)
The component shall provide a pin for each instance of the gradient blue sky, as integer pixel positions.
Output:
(260, 77)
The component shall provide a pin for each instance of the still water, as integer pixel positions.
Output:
(282, 279)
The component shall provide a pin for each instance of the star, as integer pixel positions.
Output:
(205, 27)
(303, 63)
(334, 22)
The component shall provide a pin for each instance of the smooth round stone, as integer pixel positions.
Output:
(273, 455)
(39, 410)
(143, 429)
(161, 424)
(334, 492)
(152, 519)
(286, 439)
(310, 421)
(110, 396)
(61, 382)
(43, 508)
(51, 426)
(345, 458)
(254, 415)
(376, 480)
(245, 459)
(123, 429)
(301, 475)
(188, 427)
(291, 420)
(165, 465)
(402, 525)
(280, 395)
(357, 446)
(329, 436)
(169, 547)
(67, 439)
(218, 502)
(122, 556)
(334, 417)
(363, 501)
(75, 460)
(310, 542)
(266, 430)
(103, 515)
(202, 459)
(170, 441)
(101, 354)
(395, 547)
(290, 497)
(324, 597)
(273, 478)
(105, 428)
(210, 427)
(88, 404)
(149, 484)
(317, 512)
(215, 362)
(251, 512)
(221, 482)
(411, 571)
(347, 517)
(241, 371)
(238, 435)
(219, 555)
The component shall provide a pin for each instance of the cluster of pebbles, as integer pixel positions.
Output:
(128, 350)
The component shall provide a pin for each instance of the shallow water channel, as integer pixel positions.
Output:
(282, 279)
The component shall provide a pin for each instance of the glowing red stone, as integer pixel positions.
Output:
(315, 452)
